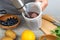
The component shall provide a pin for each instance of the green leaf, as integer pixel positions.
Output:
(53, 31)
(58, 39)
(57, 32)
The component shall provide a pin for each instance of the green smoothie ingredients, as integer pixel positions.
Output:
(57, 32)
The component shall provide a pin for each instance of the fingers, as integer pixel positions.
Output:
(38, 0)
(44, 3)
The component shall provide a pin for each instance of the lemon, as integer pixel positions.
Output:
(27, 35)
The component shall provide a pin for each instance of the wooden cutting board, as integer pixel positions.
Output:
(47, 26)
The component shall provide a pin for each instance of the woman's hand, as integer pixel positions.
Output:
(44, 3)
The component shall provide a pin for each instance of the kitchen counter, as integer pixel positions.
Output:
(21, 28)
(45, 28)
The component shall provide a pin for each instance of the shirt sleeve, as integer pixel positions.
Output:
(8, 7)
(27, 1)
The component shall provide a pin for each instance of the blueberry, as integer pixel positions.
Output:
(5, 23)
(9, 22)
(1, 22)
(8, 19)
(16, 20)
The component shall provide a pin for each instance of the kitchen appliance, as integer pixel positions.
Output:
(18, 4)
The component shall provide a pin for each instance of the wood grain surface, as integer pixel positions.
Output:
(47, 26)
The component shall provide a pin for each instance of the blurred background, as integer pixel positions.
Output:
(53, 8)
